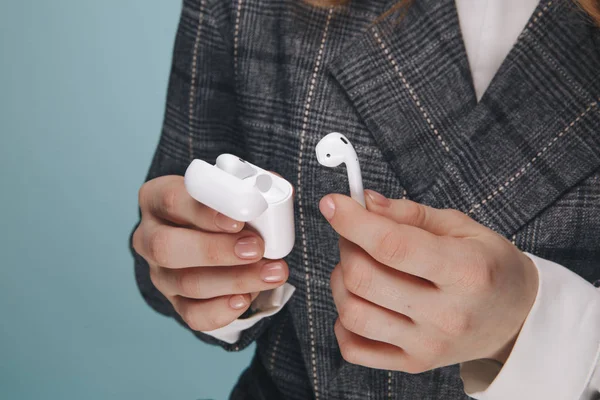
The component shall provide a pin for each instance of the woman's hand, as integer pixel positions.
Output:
(206, 264)
(419, 288)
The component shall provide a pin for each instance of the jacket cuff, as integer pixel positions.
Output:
(558, 346)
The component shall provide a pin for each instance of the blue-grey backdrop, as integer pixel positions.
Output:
(82, 91)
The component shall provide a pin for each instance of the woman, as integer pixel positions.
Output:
(483, 113)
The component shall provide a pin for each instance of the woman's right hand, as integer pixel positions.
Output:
(206, 264)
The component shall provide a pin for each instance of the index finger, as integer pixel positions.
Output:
(166, 198)
(403, 247)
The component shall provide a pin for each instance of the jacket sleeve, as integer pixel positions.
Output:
(200, 122)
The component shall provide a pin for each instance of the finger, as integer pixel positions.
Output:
(386, 287)
(362, 351)
(403, 247)
(166, 198)
(209, 282)
(211, 314)
(175, 247)
(367, 319)
(370, 353)
(439, 222)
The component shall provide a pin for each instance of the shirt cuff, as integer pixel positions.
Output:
(267, 303)
(557, 349)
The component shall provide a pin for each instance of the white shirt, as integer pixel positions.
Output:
(489, 30)
(556, 355)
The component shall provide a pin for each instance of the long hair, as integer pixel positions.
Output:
(591, 7)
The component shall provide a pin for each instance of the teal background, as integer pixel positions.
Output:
(82, 93)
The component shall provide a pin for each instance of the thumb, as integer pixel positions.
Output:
(439, 222)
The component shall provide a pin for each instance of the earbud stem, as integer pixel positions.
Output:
(357, 191)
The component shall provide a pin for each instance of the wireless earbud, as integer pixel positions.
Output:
(335, 149)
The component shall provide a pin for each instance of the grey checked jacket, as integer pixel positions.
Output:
(266, 79)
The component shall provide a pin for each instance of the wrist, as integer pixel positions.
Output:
(531, 283)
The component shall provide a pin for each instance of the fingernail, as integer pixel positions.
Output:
(378, 198)
(237, 302)
(247, 247)
(226, 223)
(327, 207)
(272, 272)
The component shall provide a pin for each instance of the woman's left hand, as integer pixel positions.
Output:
(419, 288)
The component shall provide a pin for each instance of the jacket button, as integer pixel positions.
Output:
(597, 283)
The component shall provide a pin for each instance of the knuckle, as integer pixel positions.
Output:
(390, 249)
(156, 279)
(486, 278)
(179, 282)
(417, 366)
(436, 268)
(352, 316)
(348, 351)
(488, 270)
(159, 246)
(455, 323)
(186, 283)
(358, 278)
(169, 200)
(415, 213)
(478, 275)
(217, 320)
(136, 240)
(213, 252)
(350, 354)
(190, 317)
(461, 325)
(456, 215)
(240, 283)
(144, 194)
(196, 324)
(335, 274)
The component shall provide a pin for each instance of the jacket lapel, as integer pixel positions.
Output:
(533, 135)
(410, 83)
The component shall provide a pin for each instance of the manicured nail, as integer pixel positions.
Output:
(226, 223)
(247, 247)
(378, 198)
(237, 302)
(272, 272)
(327, 207)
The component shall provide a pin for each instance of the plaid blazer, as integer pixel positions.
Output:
(267, 79)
